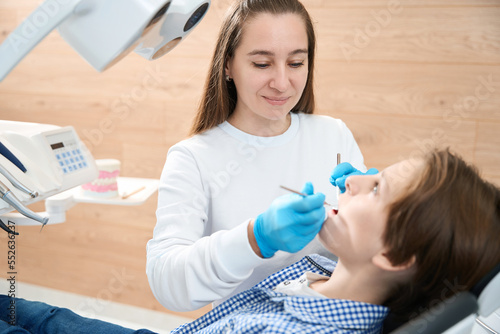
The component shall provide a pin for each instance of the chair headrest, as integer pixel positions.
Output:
(488, 290)
(451, 311)
(483, 282)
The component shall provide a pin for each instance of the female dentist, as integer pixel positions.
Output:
(254, 131)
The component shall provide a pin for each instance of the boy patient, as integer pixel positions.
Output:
(402, 237)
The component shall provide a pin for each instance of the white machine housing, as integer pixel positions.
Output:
(104, 31)
(54, 157)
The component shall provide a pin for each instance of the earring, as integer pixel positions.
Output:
(228, 78)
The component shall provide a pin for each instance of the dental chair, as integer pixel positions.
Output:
(469, 312)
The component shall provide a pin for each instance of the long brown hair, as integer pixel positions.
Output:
(450, 221)
(219, 98)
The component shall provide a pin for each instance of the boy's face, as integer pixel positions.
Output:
(355, 233)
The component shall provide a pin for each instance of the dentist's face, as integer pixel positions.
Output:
(269, 67)
(355, 233)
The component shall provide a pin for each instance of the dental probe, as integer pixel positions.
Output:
(301, 194)
(338, 188)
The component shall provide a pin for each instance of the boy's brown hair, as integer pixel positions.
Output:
(449, 219)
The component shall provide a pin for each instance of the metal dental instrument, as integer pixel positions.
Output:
(304, 195)
(301, 194)
(15, 182)
(11, 199)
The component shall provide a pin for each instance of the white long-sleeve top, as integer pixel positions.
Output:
(213, 184)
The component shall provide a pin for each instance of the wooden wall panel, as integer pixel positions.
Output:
(409, 34)
(428, 73)
(328, 4)
(488, 147)
(385, 140)
(446, 92)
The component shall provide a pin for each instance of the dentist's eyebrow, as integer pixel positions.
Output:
(269, 53)
(298, 51)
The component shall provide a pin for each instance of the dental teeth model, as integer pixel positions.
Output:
(106, 184)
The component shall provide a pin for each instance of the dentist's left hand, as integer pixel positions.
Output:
(290, 223)
(343, 171)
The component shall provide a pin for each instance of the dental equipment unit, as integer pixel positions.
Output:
(105, 31)
(45, 161)
(39, 161)
(48, 162)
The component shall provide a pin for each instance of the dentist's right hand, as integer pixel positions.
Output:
(290, 223)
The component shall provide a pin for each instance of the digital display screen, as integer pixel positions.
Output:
(57, 145)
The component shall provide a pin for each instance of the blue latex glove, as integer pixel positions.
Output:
(343, 170)
(290, 223)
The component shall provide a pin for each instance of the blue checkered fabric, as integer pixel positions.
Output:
(262, 310)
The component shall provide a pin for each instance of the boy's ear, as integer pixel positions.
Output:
(382, 261)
